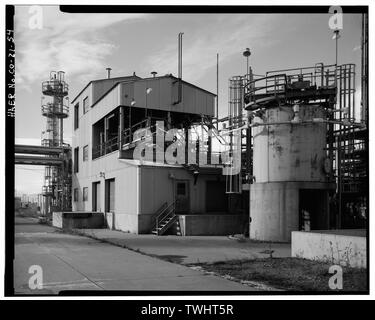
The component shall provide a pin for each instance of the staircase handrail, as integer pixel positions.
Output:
(164, 214)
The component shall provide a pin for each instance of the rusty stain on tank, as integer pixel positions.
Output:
(314, 162)
(297, 163)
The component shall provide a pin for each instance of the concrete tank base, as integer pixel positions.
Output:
(275, 208)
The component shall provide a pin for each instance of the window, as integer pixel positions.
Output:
(75, 195)
(85, 193)
(85, 104)
(76, 116)
(76, 153)
(85, 153)
(181, 188)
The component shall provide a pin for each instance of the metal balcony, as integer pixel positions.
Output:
(55, 88)
(55, 110)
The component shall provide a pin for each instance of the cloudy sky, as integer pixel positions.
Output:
(83, 45)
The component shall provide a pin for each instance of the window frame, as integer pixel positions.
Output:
(76, 160)
(85, 153)
(76, 116)
(85, 194)
(85, 104)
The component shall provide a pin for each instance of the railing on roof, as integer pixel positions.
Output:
(277, 82)
(127, 138)
(55, 87)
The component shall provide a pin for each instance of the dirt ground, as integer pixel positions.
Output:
(291, 274)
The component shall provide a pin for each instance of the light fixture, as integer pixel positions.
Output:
(336, 34)
(247, 54)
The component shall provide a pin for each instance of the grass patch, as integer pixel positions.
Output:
(291, 274)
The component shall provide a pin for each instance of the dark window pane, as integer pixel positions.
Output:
(181, 189)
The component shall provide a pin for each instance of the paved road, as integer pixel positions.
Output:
(71, 262)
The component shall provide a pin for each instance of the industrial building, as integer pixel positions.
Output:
(148, 196)
(294, 136)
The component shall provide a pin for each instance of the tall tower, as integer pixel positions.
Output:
(55, 109)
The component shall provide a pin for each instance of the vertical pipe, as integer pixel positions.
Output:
(217, 91)
(178, 56)
(339, 150)
(130, 124)
(121, 126)
(61, 132)
(181, 33)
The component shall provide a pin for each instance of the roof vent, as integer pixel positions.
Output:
(108, 73)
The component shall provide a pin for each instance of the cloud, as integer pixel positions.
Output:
(75, 43)
(226, 36)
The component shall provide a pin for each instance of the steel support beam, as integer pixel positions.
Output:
(39, 161)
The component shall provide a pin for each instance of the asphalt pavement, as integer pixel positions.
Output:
(72, 262)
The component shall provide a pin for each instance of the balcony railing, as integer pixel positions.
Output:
(55, 88)
(55, 110)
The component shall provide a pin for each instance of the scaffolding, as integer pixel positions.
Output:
(57, 179)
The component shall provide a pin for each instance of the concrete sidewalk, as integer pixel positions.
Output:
(189, 250)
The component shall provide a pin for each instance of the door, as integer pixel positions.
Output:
(110, 195)
(182, 196)
(216, 198)
(313, 209)
(96, 197)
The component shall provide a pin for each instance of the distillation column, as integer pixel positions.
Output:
(55, 110)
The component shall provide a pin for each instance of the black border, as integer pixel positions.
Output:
(209, 9)
(10, 135)
(9, 157)
(242, 309)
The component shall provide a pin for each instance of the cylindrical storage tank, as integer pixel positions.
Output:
(290, 151)
(288, 156)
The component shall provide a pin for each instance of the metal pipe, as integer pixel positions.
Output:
(217, 90)
(108, 73)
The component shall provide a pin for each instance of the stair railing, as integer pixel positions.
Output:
(169, 211)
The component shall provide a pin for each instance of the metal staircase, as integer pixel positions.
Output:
(165, 218)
